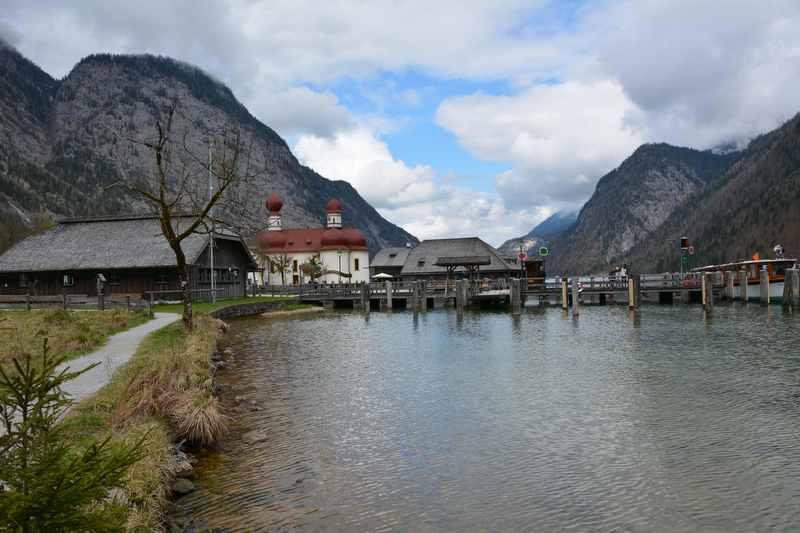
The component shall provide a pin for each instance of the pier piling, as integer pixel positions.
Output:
(461, 295)
(564, 294)
(575, 297)
(791, 288)
(388, 295)
(515, 296)
(763, 287)
(743, 286)
(707, 291)
(728, 276)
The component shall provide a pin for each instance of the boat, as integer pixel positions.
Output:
(775, 268)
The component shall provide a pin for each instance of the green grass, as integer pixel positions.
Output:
(206, 307)
(164, 391)
(68, 332)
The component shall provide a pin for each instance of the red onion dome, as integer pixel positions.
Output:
(270, 240)
(274, 203)
(334, 206)
(334, 238)
(343, 238)
(355, 238)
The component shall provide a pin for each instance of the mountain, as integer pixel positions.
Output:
(631, 202)
(750, 208)
(64, 143)
(541, 235)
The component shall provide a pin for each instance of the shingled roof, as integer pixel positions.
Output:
(423, 257)
(390, 257)
(95, 244)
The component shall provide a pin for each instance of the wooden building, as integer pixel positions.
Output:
(468, 257)
(130, 252)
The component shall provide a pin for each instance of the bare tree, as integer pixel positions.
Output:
(313, 268)
(282, 263)
(190, 192)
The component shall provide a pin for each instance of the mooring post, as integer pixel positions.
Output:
(763, 286)
(791, 287)
(575, 296)
(707, 286)
(515, 295)
(388, 295)
(461, 291)
(631, 292)
(365, 296)
(743, 286)
(564, 294)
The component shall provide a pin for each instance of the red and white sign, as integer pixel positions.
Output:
(522, 256)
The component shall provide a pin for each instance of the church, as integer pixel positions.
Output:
(295, 256)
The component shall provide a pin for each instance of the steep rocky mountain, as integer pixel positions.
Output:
(632, 201)
(541, 235)
(64, 142)
(750, 208)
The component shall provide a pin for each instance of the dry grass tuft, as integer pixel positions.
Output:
(164, 389)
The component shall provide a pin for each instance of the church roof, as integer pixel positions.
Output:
(310, 240)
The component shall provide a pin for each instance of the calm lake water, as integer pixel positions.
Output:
(664, 421)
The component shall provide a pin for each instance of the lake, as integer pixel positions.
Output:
(663, 420)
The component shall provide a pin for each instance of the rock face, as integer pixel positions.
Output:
(631, 202)
(64, 142)
(750, 208)
(542, 235)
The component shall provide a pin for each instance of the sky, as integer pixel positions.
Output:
(460, 118)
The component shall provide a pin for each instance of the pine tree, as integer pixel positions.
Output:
(47, 481)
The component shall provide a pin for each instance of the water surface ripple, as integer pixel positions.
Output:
(664, 421)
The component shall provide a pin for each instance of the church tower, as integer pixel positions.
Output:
(334, 214)
(274, 205)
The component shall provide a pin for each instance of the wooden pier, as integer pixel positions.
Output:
(706, 289)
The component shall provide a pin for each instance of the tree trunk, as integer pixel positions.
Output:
(186, 287)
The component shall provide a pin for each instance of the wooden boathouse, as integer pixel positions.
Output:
(132, 255)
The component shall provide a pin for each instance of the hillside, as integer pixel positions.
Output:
(541, 235)
(62, 143)
(752, 207)
(631, 202)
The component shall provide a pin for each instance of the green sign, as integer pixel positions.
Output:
(543, 251)
(684, 259)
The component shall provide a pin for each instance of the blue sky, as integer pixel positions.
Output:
(468, 117)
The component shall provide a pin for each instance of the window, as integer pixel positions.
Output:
(356, 262)
(392, 256)
(23, 280)
(294, 265)
(68, 280)
(421, 263)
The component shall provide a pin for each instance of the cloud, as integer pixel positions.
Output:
(559, 138)
(359, 157)
(701, 73)
(412, 196)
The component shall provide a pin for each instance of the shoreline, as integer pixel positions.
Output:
(292, 312)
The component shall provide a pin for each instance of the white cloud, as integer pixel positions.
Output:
(412, 196)
(359, 157)
(559, 138)
(701, 73)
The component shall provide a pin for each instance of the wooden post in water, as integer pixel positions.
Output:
(763, 287)
(575, 297)
(631, 292)
(365, 297)
(707, 291)
(564, 294)
(743, 286)
(515, 295)
(791, 287)
(729, 291)
(388, 295)
(461, 292)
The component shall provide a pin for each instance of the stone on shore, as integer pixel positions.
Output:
(255, 436)
(182, 486)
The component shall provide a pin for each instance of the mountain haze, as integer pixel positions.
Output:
(62, 143)
(541, 235)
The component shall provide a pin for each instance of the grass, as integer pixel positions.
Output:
(69, 333)
(164, 391)
(202, 308)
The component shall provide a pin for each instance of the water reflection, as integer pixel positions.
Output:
(607, 422)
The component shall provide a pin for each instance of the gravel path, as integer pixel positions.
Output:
(115, 352)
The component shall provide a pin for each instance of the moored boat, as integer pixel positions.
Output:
(775, 268)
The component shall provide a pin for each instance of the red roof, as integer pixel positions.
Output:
(311, 240)
(334, 206)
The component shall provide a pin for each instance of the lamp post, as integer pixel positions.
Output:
(339, 253)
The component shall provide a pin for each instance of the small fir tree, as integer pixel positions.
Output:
(47, 481)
